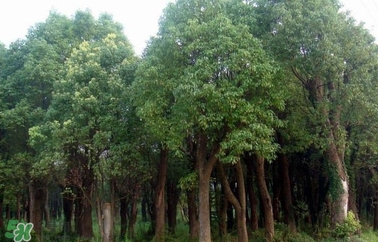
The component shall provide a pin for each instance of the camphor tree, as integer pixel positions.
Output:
(85, 101)
(207, 79)
(332, 59)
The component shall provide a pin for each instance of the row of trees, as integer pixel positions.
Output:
(255, 112)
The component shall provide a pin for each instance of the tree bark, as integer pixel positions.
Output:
(37, 192)
(159, 203)
(204, 169)
(238, 203)
(67, 211)
(193, 215)
(287, 202)
(173, 196)
(108, 222)
(254, 217)
(123, 215)
(265, 198)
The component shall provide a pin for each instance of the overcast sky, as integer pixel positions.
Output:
(139, 17)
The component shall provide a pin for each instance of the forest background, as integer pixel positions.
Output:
(242, 120)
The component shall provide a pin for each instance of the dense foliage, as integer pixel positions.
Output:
(250, 119)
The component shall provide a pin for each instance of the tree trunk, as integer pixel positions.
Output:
(123, 215)
(254, 218)
(192, 214)
(221, 204)
(238, 203)
(37, 192)
(67, 211)
(108, 222)
(159, 203)
(83, 211)
(132, 219)
(340, 204)
(265, 198)
(287, 202)
(46, 211)
(205, 169)
(173, 196)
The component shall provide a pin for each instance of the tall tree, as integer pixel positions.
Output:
(196, 82)
(311, 39)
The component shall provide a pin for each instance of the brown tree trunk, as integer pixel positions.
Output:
(193, 215)
(204, 169)
(37, 192)
(172, 201)
(83, 210)
(67, 211)
(254, 217)
(265, 198)
(221, 204)
(159, 203)
(46, 211)
(123, 215)
(132, 215)
(238, 203)
(287, 202)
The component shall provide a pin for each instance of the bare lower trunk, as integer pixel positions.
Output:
(132, 219)
(172, 201)
(108, 223)
(37, 204)
(204, 169)
(193, 214)
(123, 215)
(287, 202)
(159, 202)
(265, 198)
(67, 211)
(254, 218)
(238, 203)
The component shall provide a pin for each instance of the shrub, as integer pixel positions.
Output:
(350, 227)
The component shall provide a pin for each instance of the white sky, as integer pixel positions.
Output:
(139, 17)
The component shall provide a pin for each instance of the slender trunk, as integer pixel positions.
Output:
(238, 203)
(123, 215)
(265, 198)
(287, 202)
(276, 192)
(132, 219)
(159, 202)
(204, 169)
(221, 204)
(68, 205)
(18, 215)
(192, 214)
(46, 211)
(172, 201)
(108, 223)
(37, 194)
(100, 216)
(254, 218)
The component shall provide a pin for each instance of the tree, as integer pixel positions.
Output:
(196, 82)
(311, 40)
(86, 100)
